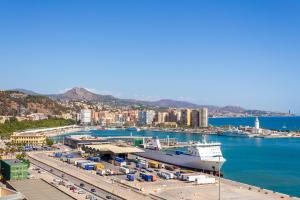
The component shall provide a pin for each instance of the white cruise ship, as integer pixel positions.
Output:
(202, 156)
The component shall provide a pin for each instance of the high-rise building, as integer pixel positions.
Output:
(150, 117)
(186, 117)
(203, 118)
(85, 116)
(146, 117)
(162, 117)
(195, 119)
(172, 115)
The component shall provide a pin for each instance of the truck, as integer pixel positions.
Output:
(124, 170)
(101, 172)
(205, 180)
(191, 177)
(166, 175)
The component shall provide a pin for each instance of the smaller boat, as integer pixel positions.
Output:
(100, 128)
(133, 128)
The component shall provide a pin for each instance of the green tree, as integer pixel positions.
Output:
(49, 141)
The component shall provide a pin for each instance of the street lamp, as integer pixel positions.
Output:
(219, 178)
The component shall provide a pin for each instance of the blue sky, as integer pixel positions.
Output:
(219, 52)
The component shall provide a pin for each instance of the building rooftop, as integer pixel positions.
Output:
(37, 189)
(114, 149)
(8, 194)
(13, 162)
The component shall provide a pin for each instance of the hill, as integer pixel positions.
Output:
(13, 103)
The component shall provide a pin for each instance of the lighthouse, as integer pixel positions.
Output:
(257, 123)
(256, 129)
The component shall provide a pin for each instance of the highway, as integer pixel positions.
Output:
(104, 187)
(100, 193)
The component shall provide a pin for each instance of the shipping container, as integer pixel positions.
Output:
(130, 177)
(94, 159)
(88, 163)
(57, 154)
(166, 175)
(146, 177)
(153, 164)
(89, 167)
(118, 159)
(70, 156)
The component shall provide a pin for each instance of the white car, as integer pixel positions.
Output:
(81, 192)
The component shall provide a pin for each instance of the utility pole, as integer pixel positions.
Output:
(219, 179)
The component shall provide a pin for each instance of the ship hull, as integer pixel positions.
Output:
(183, 160)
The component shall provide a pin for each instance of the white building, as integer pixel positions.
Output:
(85, 116)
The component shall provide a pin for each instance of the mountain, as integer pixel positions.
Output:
(82, 94)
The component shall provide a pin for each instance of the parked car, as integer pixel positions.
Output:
(93, 190)
(81, 185)
(81, 192)
(56, 180)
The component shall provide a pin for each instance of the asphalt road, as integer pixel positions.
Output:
(102, 194)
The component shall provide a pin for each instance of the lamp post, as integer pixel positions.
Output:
(219, 178)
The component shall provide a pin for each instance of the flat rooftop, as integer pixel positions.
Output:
(91, 138)
(7, 194)
(37, 189)
(14, 162)
(114, 148)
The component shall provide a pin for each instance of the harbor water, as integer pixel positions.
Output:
(268, 163)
